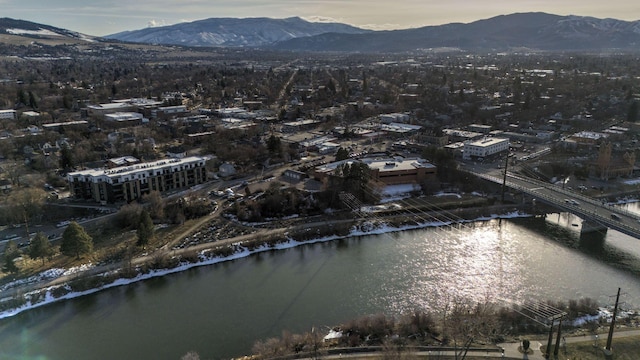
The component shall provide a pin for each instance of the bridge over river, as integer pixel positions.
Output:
(596, 214)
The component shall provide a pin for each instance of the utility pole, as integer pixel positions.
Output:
(555, 350)
(504, 177)
(613, 323)
(547, 353)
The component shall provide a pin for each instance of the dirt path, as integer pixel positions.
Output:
(167, 250)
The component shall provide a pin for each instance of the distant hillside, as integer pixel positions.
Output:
(249, 32)
(536, 31)
(522, 31)
(22, 28)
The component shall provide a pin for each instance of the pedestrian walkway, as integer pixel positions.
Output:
(511, 349)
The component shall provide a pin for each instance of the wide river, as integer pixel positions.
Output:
(219, 311)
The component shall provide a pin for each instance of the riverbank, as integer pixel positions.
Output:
(233, 304)
(59, 285)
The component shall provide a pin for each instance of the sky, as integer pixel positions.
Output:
(103, 17)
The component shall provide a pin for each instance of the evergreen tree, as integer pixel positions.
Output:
(342, 154)
(274, 145)
(11, 252)
(22, 97)
(76, 241)
(33, 103)
(632, 114)
(145, 230)
(40, 247)
(355, 177)
(66, 158)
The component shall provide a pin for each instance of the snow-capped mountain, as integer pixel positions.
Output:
(537, 31)
(534, 31)
(40, 31)
(249, 32)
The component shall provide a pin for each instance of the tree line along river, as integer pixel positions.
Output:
(220, 310)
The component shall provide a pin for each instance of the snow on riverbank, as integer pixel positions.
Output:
(45, 296)
(46, 275)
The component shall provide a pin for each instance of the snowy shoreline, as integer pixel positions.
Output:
(206, 259)
(44, 296)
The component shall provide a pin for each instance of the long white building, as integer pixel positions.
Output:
(8, 114)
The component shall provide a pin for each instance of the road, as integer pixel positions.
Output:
(583, 206)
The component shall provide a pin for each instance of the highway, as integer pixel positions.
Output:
(585, 207)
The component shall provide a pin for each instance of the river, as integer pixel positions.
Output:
(220, 310)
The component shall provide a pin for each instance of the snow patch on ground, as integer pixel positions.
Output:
(206, 259)
(632, 181)
(399, 189)
(442, 194)
(49, 274)
(397, 192)
(43, 32)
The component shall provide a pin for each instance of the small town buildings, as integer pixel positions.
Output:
(167, 112)
(456, 149)
(176, 152)
(108, 108)
(66, 124)
(5, 185)
(609, 165)
(389, 171)
(299, 125)
(484, 148)
(433, 140)
(226, 112)
(588, 137)
(121, 161)
(392, 171)
(128, 183)
(30, 114)
(484, 129)
(8, 114)
(125, 117)
(235, 123)
(461, 135)
(394, 118)
(294, 175)
(397, 128)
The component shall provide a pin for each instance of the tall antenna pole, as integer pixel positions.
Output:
(613, 322)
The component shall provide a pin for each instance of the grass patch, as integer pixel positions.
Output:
(624, 348)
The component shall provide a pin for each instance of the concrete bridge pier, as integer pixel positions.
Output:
(589, 227)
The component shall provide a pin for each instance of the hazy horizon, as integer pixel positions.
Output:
(100, 17)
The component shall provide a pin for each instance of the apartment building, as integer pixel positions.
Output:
(128, 183)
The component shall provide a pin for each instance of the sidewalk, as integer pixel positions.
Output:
(511, 351)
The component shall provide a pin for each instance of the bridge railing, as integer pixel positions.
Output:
(578, 195)
(576, 209)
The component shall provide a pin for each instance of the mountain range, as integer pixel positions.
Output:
(249, 32)
(520, 31)
(535, 31)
